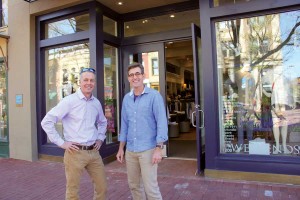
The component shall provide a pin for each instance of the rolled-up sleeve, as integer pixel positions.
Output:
(52, 117)
(161, 119)
(102, 125)
(124, 123)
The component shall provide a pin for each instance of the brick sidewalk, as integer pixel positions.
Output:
(23, 180)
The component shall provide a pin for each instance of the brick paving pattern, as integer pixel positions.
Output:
(41, 180)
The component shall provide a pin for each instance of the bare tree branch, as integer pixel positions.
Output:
(259, 60)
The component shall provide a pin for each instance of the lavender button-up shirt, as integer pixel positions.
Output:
(143, 121)
(83, 120)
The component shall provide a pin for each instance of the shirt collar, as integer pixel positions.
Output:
(81, 95)
(146, 90)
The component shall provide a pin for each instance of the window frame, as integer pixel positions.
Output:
(214, 160)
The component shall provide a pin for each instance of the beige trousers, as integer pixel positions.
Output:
(75, 163)
(142, 174)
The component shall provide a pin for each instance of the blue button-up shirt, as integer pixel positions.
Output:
(143, 121)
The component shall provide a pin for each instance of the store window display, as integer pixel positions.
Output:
(259, 85)
(282, 103)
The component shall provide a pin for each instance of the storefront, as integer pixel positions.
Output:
(236, 80)
(253, 103)
(81, 36)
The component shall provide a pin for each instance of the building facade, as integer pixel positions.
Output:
(228, 71)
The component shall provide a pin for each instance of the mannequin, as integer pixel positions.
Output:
(281, 99)
(279, 127)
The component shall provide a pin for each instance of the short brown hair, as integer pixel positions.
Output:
(135, 65)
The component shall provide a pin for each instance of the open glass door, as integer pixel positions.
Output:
(198, 122)
(153, 59)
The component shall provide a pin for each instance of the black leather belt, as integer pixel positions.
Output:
(82, 147)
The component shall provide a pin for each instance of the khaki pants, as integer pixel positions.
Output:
(142, 173)
(75, 163)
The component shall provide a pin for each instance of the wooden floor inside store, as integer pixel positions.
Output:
(184, 146)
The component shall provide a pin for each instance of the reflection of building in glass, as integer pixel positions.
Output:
(64, 65)
(62, 73)
(3, 91)
(151, 65)
(261, 45)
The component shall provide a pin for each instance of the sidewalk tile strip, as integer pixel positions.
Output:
(23, 180)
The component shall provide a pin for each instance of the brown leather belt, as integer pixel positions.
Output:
(82, 147)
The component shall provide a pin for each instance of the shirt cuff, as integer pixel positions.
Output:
(60, 142)
(102, 137)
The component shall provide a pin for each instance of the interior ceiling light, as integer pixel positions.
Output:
(30, 1)
(120, 3)
(172, 16)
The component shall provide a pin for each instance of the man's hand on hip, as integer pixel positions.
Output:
(98, 144)
(69, 146)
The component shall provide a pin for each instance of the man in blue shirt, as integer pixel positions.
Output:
(144, 129)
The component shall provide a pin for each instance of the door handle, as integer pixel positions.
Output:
(193, 121)
(202, 121)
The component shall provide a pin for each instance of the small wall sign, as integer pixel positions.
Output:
(19, 100)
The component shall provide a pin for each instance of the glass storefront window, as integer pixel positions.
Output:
(67, 26)
(155, 70)
(150, 61)
(3, 93)
(174, 21)
(217, 3)
(111, 93)
(259, 84)
(63, 65)
(110, 26)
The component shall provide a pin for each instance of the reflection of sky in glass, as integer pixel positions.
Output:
(107, 61)
(291, 53)
(62, 27)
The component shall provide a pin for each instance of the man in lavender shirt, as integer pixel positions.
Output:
(144, 129)
(84, 132)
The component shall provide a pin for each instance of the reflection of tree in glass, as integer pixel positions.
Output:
(68, 26)
(263, 42)
(63, 27)
(266, 44)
